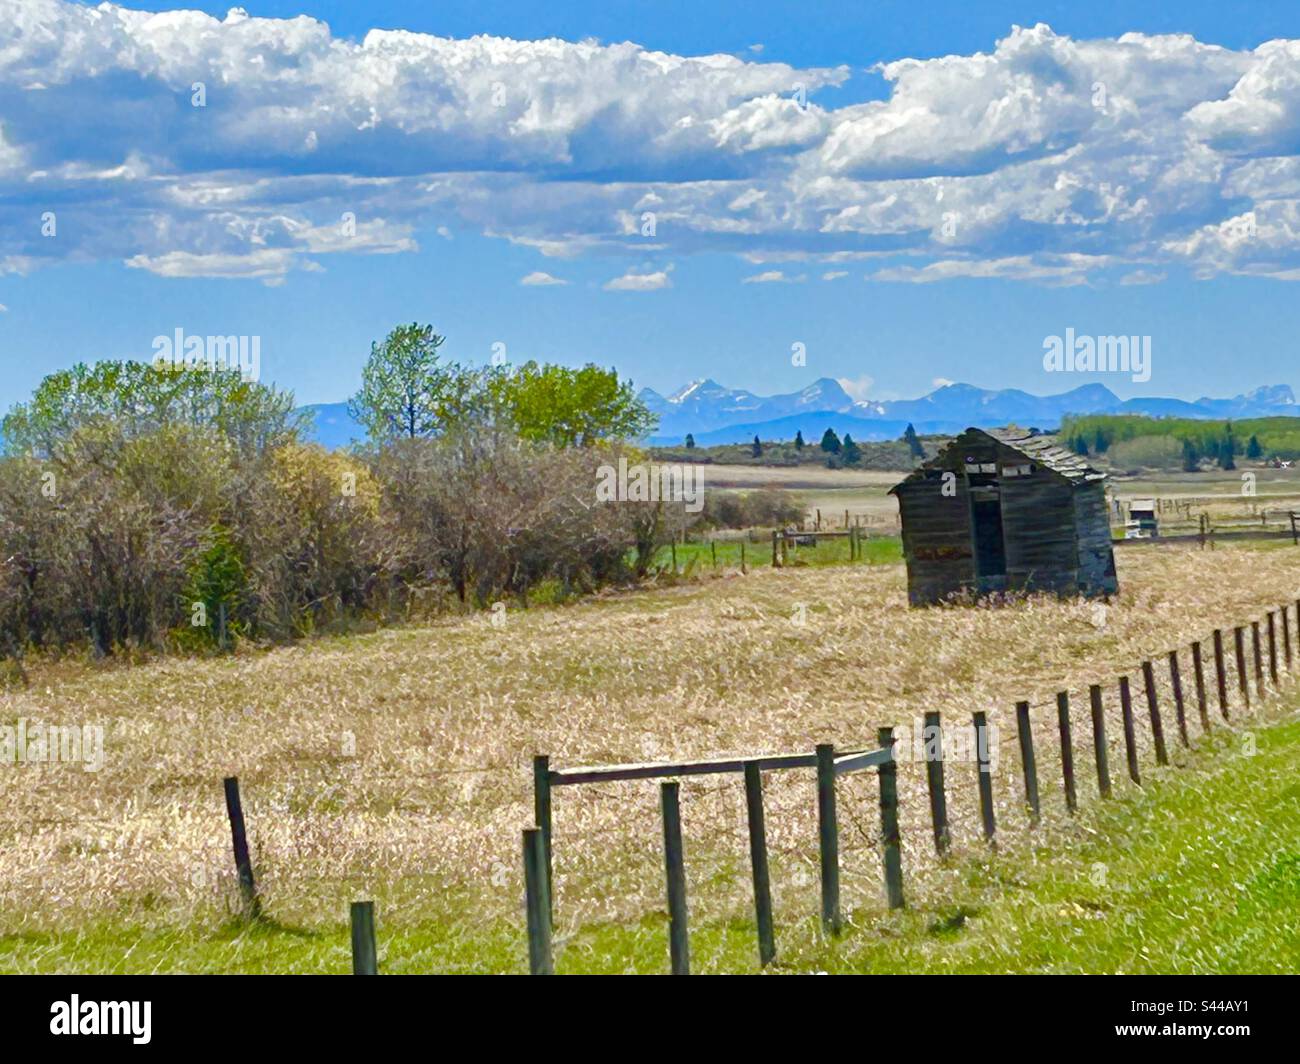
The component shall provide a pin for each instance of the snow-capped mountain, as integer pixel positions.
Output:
(714, 414)
(705, 404)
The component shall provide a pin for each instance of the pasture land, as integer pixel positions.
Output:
(396, 765)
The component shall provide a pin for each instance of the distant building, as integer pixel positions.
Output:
(1004, 510)
(1142, 523)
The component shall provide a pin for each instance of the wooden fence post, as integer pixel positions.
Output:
(887, 773)
(537, 904)
(1027, 760)
(1221, 674)
(1258, 658)
(829, 836)
(675, 873)
(1130, 735)
(239, 842)
(743, 570)
(1284, 618)
(1272, 650)
(932, 744)
(1099, 740)
(984, 775)
(1295, 533)
(542, 818)
(1067, 749)
(775, 562)
(364, 954)
(1198, 668)
(1175, 678)
(758, 864)
(1157, 728)
(1239, 642)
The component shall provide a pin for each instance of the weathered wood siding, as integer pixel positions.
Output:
(1038, 527)
(936, 538)
(1096, 552)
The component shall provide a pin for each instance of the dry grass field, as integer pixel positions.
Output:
(396, 765)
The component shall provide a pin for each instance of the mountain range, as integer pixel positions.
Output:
(714, 414)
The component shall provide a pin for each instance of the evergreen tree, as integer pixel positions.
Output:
(1225, 453)
(1191, 457)
(798, 440)
(852, 453)
(913, 442)
(1253, 449)
(757, 449)
(1100, 443)
(690, 442)
(830, 442)
(1081, 446)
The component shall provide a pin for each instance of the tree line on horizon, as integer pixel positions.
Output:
(839, 452)
(1186, 442)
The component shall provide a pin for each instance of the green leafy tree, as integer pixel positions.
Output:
(798, 440)
(407, 390)
(136, 399)
(852, 454)
(913, 442)
(830, 442)
(570, 407)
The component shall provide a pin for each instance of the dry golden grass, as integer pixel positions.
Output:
(397, 764)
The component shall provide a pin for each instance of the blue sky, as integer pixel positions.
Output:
(930, 221)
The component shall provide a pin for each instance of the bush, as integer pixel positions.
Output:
(1147, 452)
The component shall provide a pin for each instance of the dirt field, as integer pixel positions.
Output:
(397, 765)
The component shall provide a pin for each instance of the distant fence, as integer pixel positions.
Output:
(1264, 663)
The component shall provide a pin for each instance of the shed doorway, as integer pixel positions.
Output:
(986, 530)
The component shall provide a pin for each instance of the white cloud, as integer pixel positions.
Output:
(773, 277)
(539, 277)
(834, 275)
(639, 282)
(858, 388)
(1043, 159)
(941, 382)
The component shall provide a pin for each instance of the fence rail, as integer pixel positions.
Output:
(831, 764)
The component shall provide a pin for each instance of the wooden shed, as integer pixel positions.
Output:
(1003, 510)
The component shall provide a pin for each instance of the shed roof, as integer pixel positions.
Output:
(1036, 448)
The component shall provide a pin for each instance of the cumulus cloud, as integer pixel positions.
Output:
(639, 282)
(859, 388)
(190, 145)
(540, 278)
(774, 277)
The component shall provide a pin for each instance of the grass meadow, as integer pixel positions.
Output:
(396, 766)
